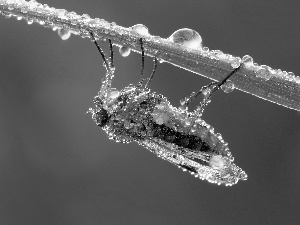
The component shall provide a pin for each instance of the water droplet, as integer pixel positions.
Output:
(228, 86)
(220, 55)
(182, 102)
(263, 72)
(61, 13)
(161, 60)
(29, 22)
(85, 16)
(206, 91)
(219, 136)
(187, 37)
(92, 23)
(297, 80)
(64, 34)
(140, 29)
(188, 122)
(216, 162)
(235, 62)
(124, 51)
(247, 59)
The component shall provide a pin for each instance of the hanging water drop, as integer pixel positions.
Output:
(124, 51)
(228, 86)
(64, 34)
(140, 29)
(187, 37)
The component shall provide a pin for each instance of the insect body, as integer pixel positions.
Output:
(174, 134)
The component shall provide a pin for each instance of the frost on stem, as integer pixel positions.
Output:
(183, 49)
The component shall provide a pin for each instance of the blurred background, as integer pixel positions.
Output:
(58, 167)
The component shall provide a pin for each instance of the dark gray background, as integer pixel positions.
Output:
(57, 167)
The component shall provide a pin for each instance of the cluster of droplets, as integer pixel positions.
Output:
(185, 37)
(17, 2)
(192, 40)
(266, 72)
(45, 15)
(218, 170)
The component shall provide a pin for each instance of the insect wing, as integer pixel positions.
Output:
(199, 166)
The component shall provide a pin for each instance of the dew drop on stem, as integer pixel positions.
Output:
(140, 29)
(187, 37)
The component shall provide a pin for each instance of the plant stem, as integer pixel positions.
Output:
(264, 82)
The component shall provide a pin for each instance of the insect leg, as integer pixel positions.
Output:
(143, 63)
(111, 53)
(153, 71)
(207, 91)
(100, 51)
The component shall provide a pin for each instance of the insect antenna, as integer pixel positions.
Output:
(153, 71)
(143, 63)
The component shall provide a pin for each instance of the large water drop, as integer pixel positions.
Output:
(187, 37)
(140, 29)
(124, 51)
